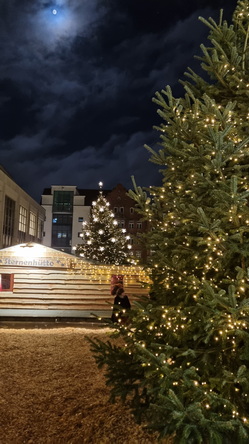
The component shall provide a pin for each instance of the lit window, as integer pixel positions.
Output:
(23, 216)
(61, 235)
(32, 224)
(6, 282)
(8, 221)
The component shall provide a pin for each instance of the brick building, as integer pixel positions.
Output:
(124, 210)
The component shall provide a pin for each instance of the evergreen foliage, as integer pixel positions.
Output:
(184, 367)
(103, 240)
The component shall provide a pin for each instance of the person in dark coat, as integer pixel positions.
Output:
(121, 307)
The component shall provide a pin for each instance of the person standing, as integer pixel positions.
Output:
(121, 307)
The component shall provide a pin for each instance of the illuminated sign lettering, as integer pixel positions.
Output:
(36, 262)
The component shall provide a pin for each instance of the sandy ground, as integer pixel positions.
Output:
(51, 391)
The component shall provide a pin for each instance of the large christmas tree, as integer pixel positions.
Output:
(184, 366)
(102, 239)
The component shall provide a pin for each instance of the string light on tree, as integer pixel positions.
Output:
(103, 240)
(187, 347)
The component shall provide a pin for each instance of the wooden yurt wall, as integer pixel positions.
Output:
(76, 292)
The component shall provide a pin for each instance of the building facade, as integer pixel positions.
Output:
(68, 206)
(123, 208)
(21, 217)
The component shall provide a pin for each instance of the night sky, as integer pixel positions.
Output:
(77, 79)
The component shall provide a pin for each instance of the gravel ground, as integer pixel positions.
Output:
(51, 391)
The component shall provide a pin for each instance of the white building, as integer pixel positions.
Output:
(66, 208)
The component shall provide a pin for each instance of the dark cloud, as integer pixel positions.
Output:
(76, 86)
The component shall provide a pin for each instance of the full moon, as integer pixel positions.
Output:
(54, 11)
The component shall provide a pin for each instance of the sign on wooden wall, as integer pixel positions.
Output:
(48, 262)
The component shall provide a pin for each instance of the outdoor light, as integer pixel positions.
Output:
(27, 245)
(29, 249)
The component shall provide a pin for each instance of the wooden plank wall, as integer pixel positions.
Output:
(60, 289)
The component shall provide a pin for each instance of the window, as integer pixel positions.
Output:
(8, 221)
(32, 224)
(131, 225)
(40, 228)
(115, 209)
(138, 253)
(139, 225)
(63, 201)
(23, 216)
(131, 210)
(62, 230)
(121, 210)
(22, 225)
(80, 219)
(121, 224)
(61, 235)
(6, 282)
(62, 219)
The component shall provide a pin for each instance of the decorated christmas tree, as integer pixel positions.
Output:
(102, 239)
(184, 365)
